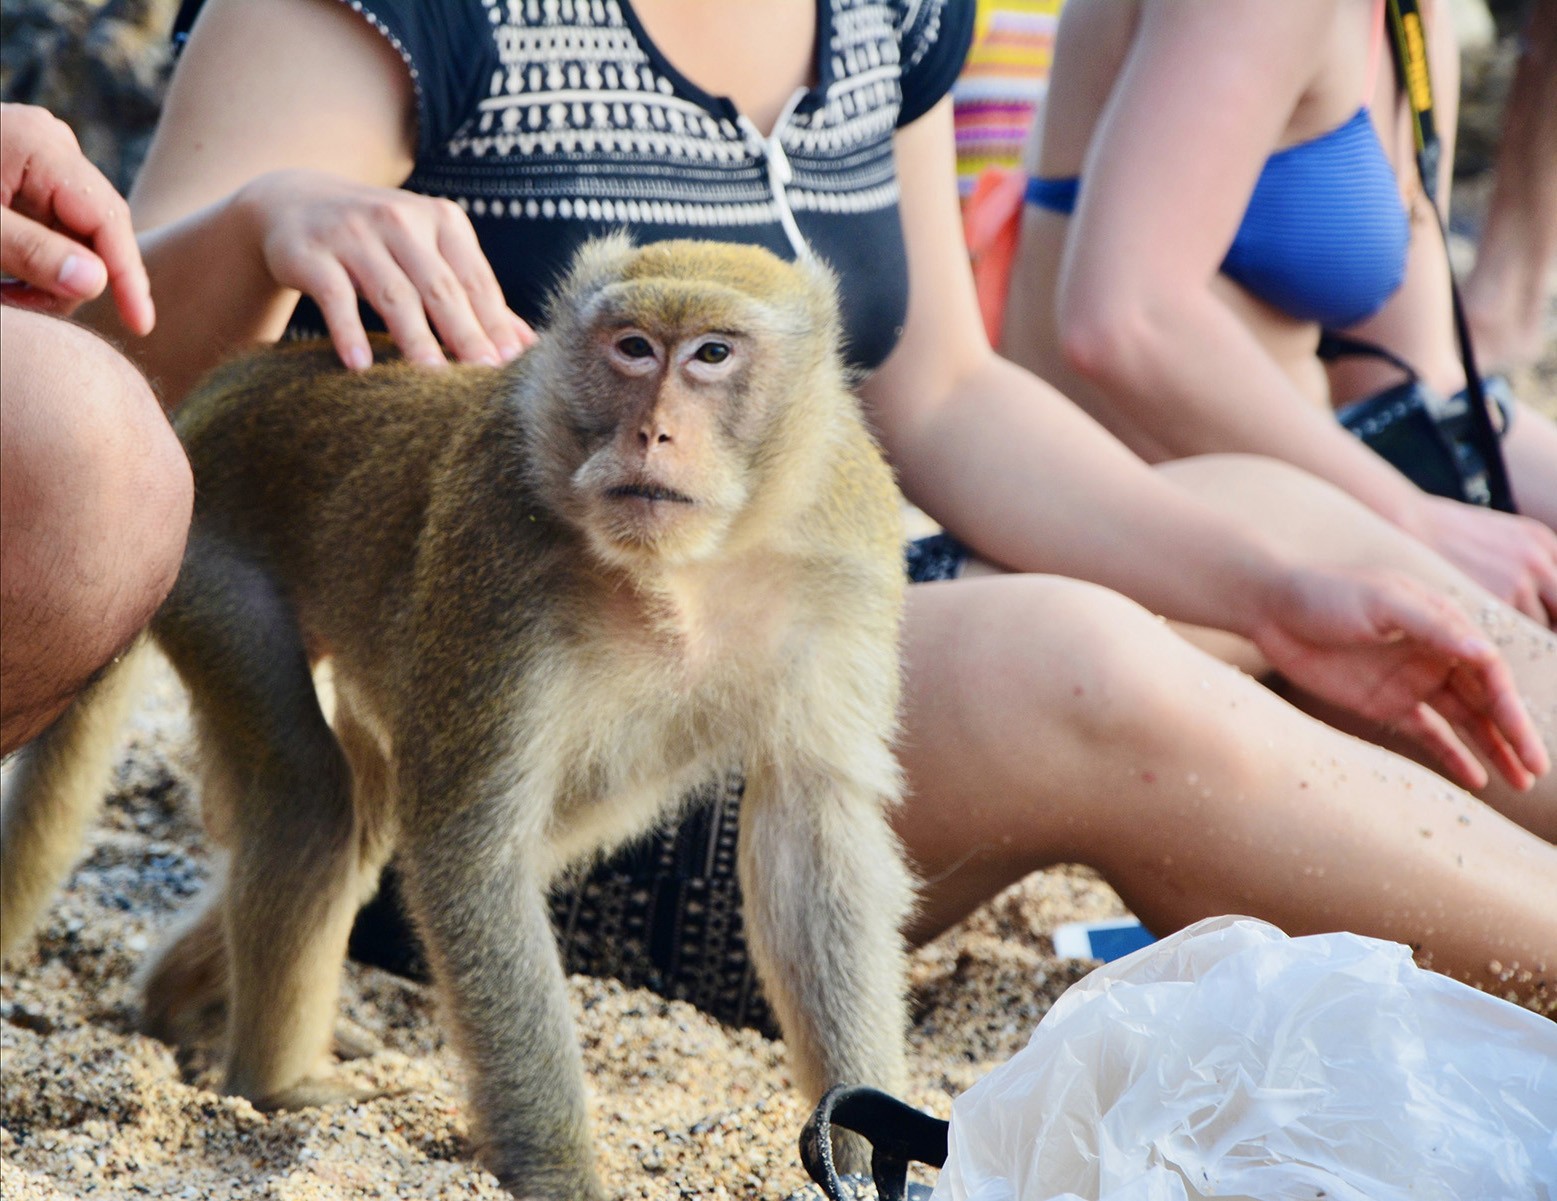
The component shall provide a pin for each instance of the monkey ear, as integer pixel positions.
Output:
(821, 296)
(599, 262)
(820, 277)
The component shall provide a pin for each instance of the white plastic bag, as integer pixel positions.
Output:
(1231, 1061)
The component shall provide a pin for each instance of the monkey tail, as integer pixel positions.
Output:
(51, 789)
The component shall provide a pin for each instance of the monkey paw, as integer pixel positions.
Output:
(320, 1090)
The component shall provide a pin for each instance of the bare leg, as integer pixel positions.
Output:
(1531, 451)
(1325, 526)
(95, 496)
(1052, 721)
(1507, 290)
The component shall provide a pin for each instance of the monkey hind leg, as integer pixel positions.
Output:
(291, 894)
(282, 793)
(52, 789)
(373, 799)
(184, 991)
(184, 986)
(355, 1042)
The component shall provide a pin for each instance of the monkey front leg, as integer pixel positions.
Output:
(826, 894)
(480, 905)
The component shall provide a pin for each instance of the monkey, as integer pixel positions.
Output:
(557, 595)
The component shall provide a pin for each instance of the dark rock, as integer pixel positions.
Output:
(99, 65)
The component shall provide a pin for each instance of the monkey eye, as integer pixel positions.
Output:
(636, 346)
(712, 352)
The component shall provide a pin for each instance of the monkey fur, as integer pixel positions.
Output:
(558, 596)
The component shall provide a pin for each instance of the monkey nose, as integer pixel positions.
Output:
(651, 436)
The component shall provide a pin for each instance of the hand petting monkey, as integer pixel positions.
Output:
(414, 258)
(558, 596)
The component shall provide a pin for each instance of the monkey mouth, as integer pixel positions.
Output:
(648, 492)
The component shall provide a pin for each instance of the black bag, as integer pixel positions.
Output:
(1433, 440)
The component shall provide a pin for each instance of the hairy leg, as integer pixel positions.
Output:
(1051, 721)
(184, 984)
(95, 497)
(1326, 526)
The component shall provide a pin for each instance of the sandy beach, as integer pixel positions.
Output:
(682, 1107)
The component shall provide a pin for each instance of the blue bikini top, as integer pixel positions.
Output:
(1324, 237)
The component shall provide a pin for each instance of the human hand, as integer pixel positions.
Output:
(1381, 645)
(1512, 557)
(65, 234)
(414, 258)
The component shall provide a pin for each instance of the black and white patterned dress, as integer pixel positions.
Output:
(553, 121)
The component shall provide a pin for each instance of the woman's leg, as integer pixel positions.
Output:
(1325, 526)
(1051, 721)
(1531, 452)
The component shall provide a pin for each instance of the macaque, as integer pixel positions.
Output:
(558, 596)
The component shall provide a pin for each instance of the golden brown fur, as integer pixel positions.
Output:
(557, 596)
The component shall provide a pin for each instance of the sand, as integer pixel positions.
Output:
(682, 1107)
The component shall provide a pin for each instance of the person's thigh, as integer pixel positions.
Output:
(1053, 721)
(1531, 452)
(95, 497)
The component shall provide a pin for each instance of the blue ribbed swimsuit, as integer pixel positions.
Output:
(1325, 234)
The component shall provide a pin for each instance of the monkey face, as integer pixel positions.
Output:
(685, 365)
(663, 466)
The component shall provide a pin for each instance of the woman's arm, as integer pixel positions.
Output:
(1013, 468)
(1205, 93)
(288, 125)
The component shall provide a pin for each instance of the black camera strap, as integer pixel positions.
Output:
(1408, 43)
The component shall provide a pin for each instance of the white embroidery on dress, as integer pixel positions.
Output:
(399, 48)
(581, 120)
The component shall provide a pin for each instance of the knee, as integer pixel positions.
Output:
(125, 437)
(96, 468)
(1137, 723)
(1106, 679)
(153, 495)
(96, 492)
(1119, 685)
(1076, 664)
